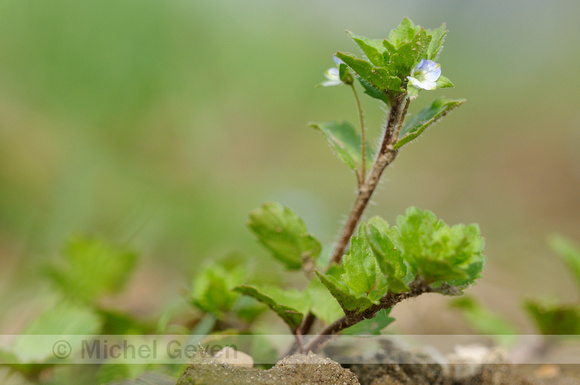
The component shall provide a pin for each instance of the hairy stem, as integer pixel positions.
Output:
(363, 169)
(388, 301)
(385, 156)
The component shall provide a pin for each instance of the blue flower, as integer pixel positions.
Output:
(425, 75)
(332, 75)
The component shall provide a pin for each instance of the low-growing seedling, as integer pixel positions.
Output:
(374, 265)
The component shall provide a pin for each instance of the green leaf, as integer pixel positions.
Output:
(290, 305)
(65, 318)
(444, 82)
(481, 319)
(569, 253)
(410, 53)
(439, 253)
(373, 49)
(361, 271)
(344, 74)
(403, 33)
(384, 243)
(374, 92)
(248, 309)
(348, 300)
(555, 319)
(285, 234)
(90, 268)
(211, 289)
(437, 40)
(345, 140)
(379, 77)
(426, 117)
(323, 304)
(371, 326)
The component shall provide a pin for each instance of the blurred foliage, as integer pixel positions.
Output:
(150, 123)
(559, 318)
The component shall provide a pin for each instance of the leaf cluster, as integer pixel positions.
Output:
(382, 260)
(387, 63)
(421, 248)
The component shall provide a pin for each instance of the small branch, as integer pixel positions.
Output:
(307, 323)
(388, 301)
(363, 169)
(299, 339)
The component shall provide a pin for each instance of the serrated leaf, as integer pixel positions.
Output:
(361, 271)
(348, 300)
(374, 92)
(437, 40)
(439, 253)
(211, 289)
(373, 49)
(444, 82)
(569, 253)
(426, 117)
(384, 244)
(390, 49)
(403, 33)
(91, 267)
(287, 304)
(323, 304)
(371, 326)
(285, 234)
(380, 77)
(411, 52)
(345, 140)
(555, 320)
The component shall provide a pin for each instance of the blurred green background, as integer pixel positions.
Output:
(161, 124)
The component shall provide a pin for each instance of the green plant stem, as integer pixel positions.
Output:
(385, 156)
(400, 125)
(388, 301)
(362, 171)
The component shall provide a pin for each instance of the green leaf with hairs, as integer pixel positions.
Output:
(373, 49)
(345, 140)
(346, 297)
(361, 283)
(361, 271)
(439, 253)
(437, 40)
(425, 118)
(374, 92)
(290, 305)
(403, 33)
(284, 234)
(444, 82)
(389, 255)
(380, 77)
(372, 326)
(323, 304)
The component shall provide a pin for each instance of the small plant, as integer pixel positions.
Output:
(374, 265)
